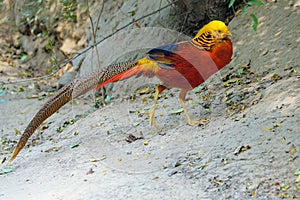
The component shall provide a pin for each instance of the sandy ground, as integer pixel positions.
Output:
(249, 149)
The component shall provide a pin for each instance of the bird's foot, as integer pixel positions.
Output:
(197, 122)
(153, 123)
(156, 126)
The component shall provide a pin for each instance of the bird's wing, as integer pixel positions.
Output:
(165, 56)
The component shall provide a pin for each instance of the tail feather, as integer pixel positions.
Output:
(122, 73)
(67, 93)
(144, 67)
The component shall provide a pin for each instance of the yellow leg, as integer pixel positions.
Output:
(158, 90)
(151, 118)
(188, 119)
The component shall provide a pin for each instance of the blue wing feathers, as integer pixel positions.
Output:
(162, 55)
(167, 50)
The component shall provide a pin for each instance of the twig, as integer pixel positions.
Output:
(94, 31)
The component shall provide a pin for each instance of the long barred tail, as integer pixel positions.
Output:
(72, 90)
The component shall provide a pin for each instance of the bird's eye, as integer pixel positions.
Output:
(219, 31)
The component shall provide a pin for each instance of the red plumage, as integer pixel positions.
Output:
(184, 65)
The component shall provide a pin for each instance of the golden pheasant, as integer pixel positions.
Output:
(183, 65)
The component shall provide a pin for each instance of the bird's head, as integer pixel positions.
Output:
(216, 29)
(212, 33)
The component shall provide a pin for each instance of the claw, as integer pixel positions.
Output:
(152, 120)
(188, 119)
(197, 122)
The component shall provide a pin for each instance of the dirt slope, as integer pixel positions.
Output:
(248, 150)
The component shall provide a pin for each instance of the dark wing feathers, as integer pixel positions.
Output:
(164, 55)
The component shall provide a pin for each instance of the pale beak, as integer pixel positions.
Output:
(227, 35)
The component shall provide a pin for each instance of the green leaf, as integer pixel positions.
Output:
(132, 13)
(198, 89)
(5, 171)
(298, 179)
(2, 92)
(255, 22)
(21, 89)
(48, 47)
(231, 3)
(244, 10)
(240, 71)
(3, 6)
(176, 111)
(23, 58)
(54, 56)
(255, 2)
(107, 99)
(28, 12)
(30, 3)
(51, 40)
(38, 12)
